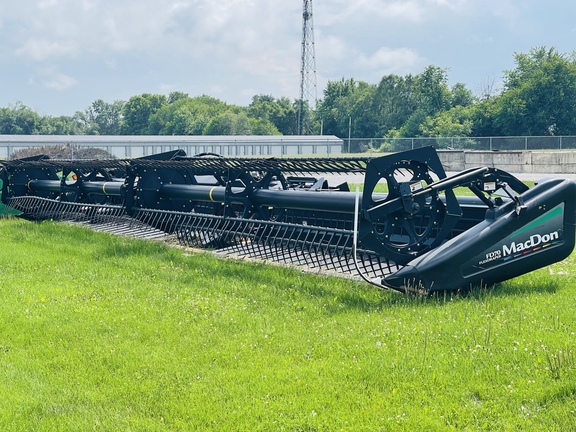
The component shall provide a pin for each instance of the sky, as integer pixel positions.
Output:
(59, 56)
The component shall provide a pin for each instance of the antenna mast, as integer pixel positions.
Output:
(307, 71)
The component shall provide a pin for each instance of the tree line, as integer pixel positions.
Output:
(537, 98)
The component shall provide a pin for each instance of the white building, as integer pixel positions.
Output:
(134, 146)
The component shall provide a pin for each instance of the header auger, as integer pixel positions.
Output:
(415, 235)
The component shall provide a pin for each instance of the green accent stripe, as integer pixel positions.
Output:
(555, 212)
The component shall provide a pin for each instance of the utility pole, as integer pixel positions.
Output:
(308, 95)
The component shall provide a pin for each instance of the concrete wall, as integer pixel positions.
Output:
(538, 162)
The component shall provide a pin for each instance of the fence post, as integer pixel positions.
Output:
(349, 131)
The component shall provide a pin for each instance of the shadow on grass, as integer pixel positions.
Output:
(337, 295)
(334, 295)
(565, 394)
(516, 287)
(369, 299)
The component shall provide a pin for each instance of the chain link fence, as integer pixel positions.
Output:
(359, 145)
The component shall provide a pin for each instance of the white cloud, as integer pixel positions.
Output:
(390, 60)
(60, 82)
(234, 49)
(46, 4)
(39, 50)
(344, 12)
(198, 27)
(333, 47)
(114, 37)
(168, 88)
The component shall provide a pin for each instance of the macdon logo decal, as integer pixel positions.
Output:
(533, 242)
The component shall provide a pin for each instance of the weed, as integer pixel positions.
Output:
(559, 362)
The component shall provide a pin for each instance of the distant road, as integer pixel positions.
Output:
(334, 180)
(534, 176)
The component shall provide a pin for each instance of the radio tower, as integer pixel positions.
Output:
(307, 71)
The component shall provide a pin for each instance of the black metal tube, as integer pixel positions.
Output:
(333, 201)
(101, 188)
(44, 185)
(193, 192)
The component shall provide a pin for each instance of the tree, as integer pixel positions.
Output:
(237, 122)
(228, 123)
(429, 94)
(461, 96)
(186, 116)
(138, 111)
(455, 122)
(18, 119)
(539, 95)
(102, 118)
(176, 96)
(342, 100)
(483, 116)
(281, 112)
(261, 126)
(432, 100)
(62, 125)
(392, 104)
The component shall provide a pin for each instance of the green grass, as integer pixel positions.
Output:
(107, 333)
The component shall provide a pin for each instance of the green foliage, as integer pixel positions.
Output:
(455, 122)
(102, 118)
(341, 100)
(204, 115)
(186, 115)
(282, 113)
(121, 334)
(228, 123)
(63, 125)
(138, 111)
(392, 103)
(396, 107)
(175, 96)
(19, 119)
(437, 108)
(539, 98)
(262, 126)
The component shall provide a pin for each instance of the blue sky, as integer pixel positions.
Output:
(58, 56)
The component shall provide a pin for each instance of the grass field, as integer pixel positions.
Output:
(112, 334)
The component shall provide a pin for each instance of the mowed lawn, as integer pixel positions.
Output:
(113, 334)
